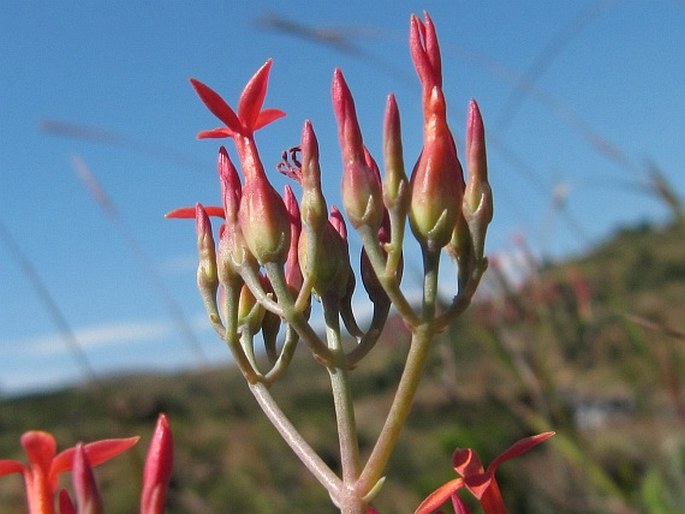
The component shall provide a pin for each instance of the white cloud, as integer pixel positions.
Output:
(108, 334)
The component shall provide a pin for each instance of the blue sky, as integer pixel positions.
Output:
(554, 80)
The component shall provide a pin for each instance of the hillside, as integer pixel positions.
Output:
(592, 348)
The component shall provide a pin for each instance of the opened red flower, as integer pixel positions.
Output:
(263, 216)
(45, 465)
(481, 483)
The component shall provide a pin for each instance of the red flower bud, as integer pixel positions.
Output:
(264, 220)
(361, 187)
(158, 467)
(395, 180)
(293, 275)
(231, 189)
(478, 195)
(437, 182)
(88, 499)
(478, 205)
(313, 202)
(206, 272)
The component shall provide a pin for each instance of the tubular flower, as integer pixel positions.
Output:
(262, 214)
(437, 182)
(481, 483)
(45, 465)
(361, 187)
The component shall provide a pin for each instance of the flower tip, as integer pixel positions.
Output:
(183, 212)
(162, 419)
(341, 90)
(475, 117)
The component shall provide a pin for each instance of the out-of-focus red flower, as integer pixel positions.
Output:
(45, 465)
(158, 467)
(480, 482)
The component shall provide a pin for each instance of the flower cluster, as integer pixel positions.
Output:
(273, 253)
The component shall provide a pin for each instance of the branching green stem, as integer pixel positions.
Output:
(350, 502)
(292, 437)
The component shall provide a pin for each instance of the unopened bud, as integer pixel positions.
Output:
(478, 205)
(88, 499)
(395, 183)
(231, 189)
(313, 202)
(264, 221)
(361, 188)
(207, 278)
(250, 312)
(327, 267)
(293, 274)
(158, 467)
(437, 182)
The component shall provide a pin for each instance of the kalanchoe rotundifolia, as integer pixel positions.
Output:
(233, 251)
(325, 261)
(477, 207)
(313, 204)
(250, 311)
(437, 181)
(158, 467)
(86, 491)
(395, 183)
(41, 476)
(293, 274)
(479, 481)
(361, 188)
(261, 233)
(207, 273)
(262, 214)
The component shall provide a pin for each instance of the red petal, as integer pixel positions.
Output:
(518, 448)
(252, 97)
(7, 467)
(217, 105)
(459, 505)
(467, 463)
(433, 49)
(97, 452)
(425, 52)
(217, 133)
(189, 212)
(490, 497)
(65, 504)
(40, 448)
(438, 497)
(267, 116)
